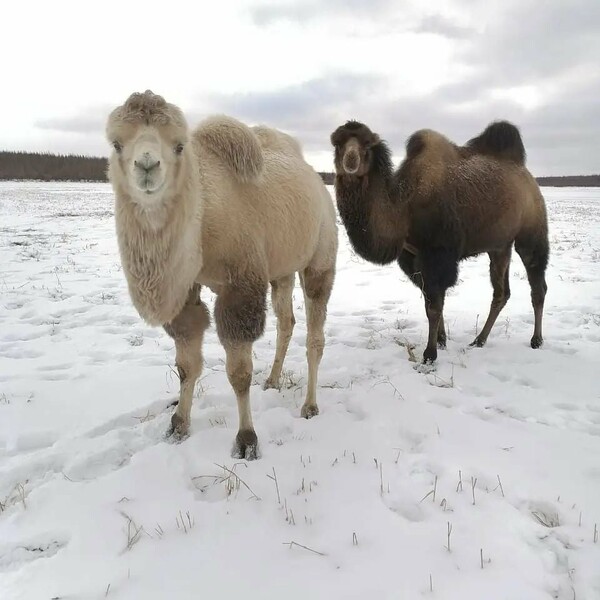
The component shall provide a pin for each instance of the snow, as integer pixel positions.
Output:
(97, 503)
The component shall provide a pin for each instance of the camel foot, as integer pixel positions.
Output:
(536, 341)
(309, 411)
(271, 384)
(179, 429)
(429, 356)
(245, 445)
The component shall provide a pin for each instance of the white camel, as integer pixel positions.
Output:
(229, 207)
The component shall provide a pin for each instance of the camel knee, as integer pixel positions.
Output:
(240, 311)
(501, 298)
(538, 296)
(315, 344)
(318, 285)
(239, 366)
(240, 378)
(190, 323)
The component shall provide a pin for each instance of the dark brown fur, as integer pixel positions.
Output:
(240, 310)
(443, 204)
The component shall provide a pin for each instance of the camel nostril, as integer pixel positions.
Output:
(146, 165)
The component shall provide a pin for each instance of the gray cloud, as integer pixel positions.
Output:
(523, 44)
(268, 13)
(530, 41)
(440, 25)
(307, 110)
(559, 140)
(92, 121)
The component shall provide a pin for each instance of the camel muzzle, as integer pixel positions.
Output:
(351, 162)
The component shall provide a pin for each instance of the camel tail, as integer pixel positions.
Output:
(502, 140)
(234, 143)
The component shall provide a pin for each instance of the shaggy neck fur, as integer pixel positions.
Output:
(160, 244)
(371, 209)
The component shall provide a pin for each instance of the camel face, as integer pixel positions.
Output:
(148, 137)
(148, 162)
(353, 142)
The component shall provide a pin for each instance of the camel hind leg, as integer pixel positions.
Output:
(317, 287)
(499, 271)
(281, 297)
(534, 254)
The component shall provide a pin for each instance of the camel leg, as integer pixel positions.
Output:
(434, 309)
(240, 311)
(239, 372)
(317, 289)
(439, 271)
(535, 259)
(441, 335)
(187, 329)
(499, 276)
(408, 264)
(281, 297)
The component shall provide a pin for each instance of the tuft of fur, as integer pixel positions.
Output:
(234, 143)
(500, 139)
(148, 108)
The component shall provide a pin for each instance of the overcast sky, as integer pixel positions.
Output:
(306, 66)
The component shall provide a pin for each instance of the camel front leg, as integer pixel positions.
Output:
(240, 312)
(239, 373)
(434, 308)
(187, 329)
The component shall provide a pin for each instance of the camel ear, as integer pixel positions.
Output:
(376, 139)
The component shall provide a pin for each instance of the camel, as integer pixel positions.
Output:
(443, 204)
(230, 207)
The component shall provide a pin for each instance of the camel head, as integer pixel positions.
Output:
(352, 143)
(149, 138)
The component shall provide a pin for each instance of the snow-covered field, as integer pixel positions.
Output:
(480, 480)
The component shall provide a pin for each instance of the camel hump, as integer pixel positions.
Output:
(500, 139)
(431, 145)
(234, 143)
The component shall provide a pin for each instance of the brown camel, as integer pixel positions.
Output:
(445, 203)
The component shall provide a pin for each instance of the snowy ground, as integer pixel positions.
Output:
(96, 503)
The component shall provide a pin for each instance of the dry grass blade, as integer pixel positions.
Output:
(546, 520)
(292, 544)
(448, 547)
(387, 380)
(233, 482)
(133, 532)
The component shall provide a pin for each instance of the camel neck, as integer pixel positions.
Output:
(372, 215)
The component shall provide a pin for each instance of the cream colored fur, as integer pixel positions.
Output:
(237, 206)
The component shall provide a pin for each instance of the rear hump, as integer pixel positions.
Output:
(501, 140)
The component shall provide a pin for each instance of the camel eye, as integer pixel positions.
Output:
(178, 148)
(117, 146)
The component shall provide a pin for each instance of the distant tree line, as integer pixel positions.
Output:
(570, 181)
(51, 167)
(69, 167)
